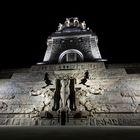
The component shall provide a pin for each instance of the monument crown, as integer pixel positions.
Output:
(72, 23)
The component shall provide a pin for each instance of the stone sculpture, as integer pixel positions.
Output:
(60, 27)
(67, 22)
(65, 92)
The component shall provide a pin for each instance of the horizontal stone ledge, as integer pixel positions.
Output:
(15, 113)
(94, 113)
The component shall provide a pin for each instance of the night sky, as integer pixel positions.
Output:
(25, 29)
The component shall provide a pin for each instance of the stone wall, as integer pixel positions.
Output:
(109, 97)
(86, 44)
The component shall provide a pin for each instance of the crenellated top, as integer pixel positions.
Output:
(72, 25)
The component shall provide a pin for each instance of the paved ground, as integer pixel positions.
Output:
(73, 133)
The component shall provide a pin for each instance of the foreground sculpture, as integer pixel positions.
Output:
(72, 86)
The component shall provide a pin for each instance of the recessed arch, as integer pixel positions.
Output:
(68, 52)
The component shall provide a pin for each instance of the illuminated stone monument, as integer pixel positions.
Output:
(72, 86)
(72, 42)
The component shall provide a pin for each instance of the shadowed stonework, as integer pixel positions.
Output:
(72, 86)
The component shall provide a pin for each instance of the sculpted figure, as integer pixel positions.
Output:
(65, 92)
(47, 80)
(60, 27)
(76, 22)
(83, 24)
(84, 80)
(67, 22)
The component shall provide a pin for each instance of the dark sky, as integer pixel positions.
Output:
(25, 28)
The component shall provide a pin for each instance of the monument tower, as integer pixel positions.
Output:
(73, 85)
(72, 42)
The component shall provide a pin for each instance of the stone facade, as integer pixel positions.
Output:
(73, 86)
(109, 97)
